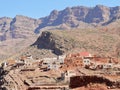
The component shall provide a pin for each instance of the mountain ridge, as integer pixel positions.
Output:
(23, 30)
(98, 15)
(73, 17)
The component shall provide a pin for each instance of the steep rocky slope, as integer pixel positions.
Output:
(16, 34)
(94, 41)
(23, 30)
(80, 17)
(23, 27)
(18, 27)
(4, 27)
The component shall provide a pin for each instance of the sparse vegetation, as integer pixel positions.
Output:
(67, 40)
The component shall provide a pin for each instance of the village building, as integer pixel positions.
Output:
(28, 60)
(85, 54)
(116, 67)
(9, 63)
(61, 59)
(86, 62)
(68, 74)
(78, 61)
(102, 63)
(19, 64)
(53, 66)
(53, 63)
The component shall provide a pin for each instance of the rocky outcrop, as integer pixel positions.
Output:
(49, 41)
(61, 42)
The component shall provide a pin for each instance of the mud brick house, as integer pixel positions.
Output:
(61, 59)
(81, 54)
(102, 63)
(81, 59)
(85, 54)
(10, 63)
(28, 60)
(53, 63)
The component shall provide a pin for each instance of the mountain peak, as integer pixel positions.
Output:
(100, 6)
(71, 17)
(74, 16)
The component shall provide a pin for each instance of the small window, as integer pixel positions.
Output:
(109, 65)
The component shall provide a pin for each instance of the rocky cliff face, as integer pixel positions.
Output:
(4, 27)
(20, 31)
(18, 27)
(94, 41)
(74, 17)
(16, 33)
(48, 40)
(22, 26)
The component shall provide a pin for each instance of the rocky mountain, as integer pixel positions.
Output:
(80, 17)
(21, 31)
(16, 34)
(4, 27)
(74, 17)
(18, 27)
(95, 41)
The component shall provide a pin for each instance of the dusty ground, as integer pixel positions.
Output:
(16, 79)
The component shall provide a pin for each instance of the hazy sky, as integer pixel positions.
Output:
(41, 8)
